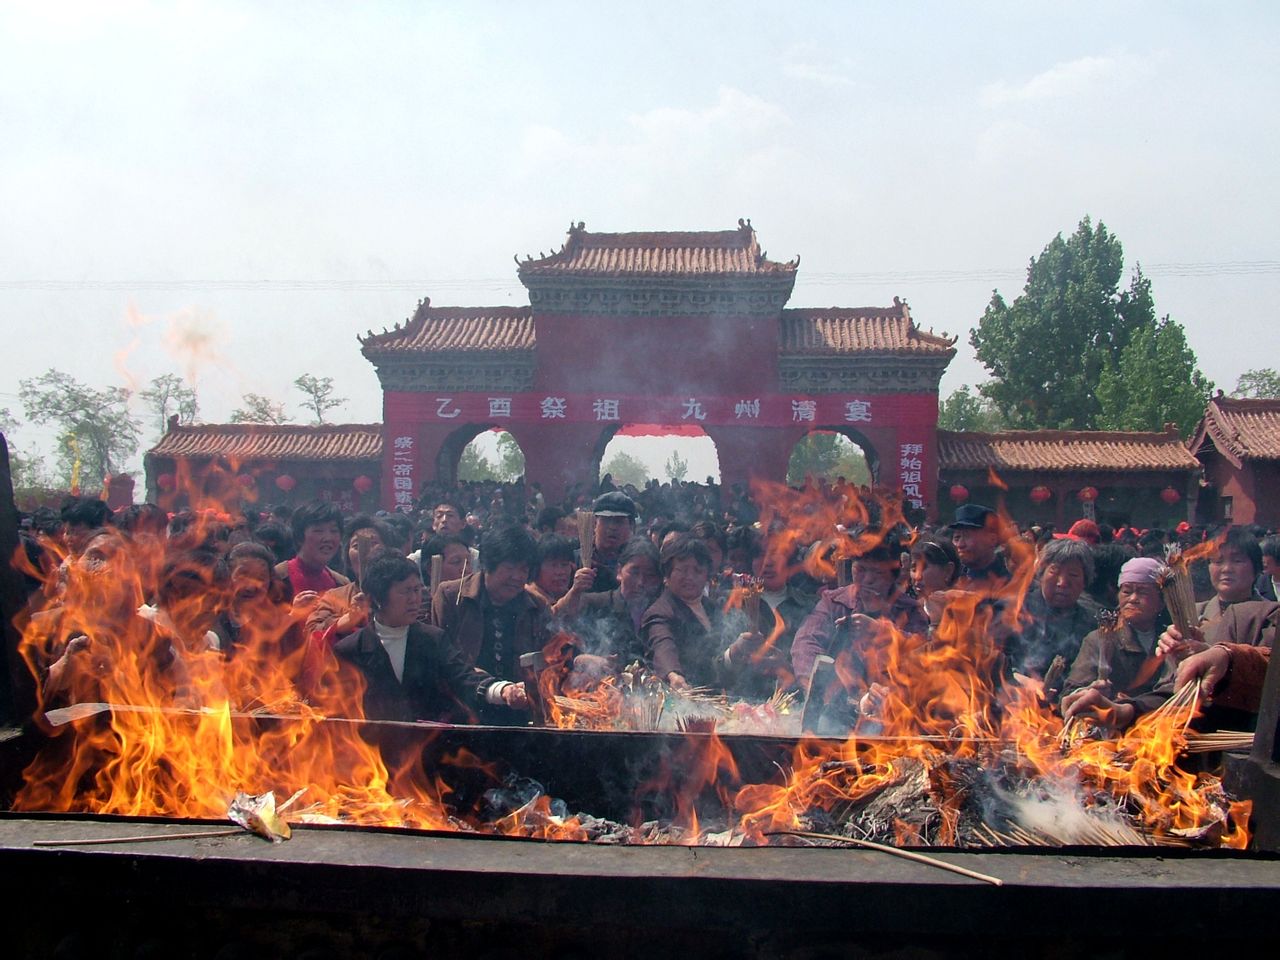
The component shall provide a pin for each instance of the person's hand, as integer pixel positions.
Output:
(1208, 668)
(81, 655)
(872, 702)
(1092, 703)
(1173, 644)
(856, 622)
(676, 681)
(515, 697)
(583, 580)
(937, 602)
(305, 600)
(354, 617)
(744, 648)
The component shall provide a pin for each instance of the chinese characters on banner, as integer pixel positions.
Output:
(776, 410)
(402, 464)
(910, 472)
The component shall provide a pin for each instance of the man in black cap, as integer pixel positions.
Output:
(615, 514)
(976, 533)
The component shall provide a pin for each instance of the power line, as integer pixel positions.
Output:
(1179, 269)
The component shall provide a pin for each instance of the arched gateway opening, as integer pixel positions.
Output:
(656, 452)
(480, 452)
(830, 452)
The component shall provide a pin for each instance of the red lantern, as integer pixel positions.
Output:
(285, 482)
(246, 480)
(362, 484)
(166, 482)
(1088, 495)
(959, 493)
(1170, 496)
(1041, 493)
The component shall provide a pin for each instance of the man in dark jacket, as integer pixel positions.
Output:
(490, 619)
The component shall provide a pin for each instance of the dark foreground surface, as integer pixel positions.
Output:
(376, 894)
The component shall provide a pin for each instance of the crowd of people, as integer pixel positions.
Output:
(439, 611)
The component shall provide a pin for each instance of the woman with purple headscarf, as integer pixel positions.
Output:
(1115, 677)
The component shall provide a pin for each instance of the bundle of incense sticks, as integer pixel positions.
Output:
(586, 535)
(437, 570)
(1218, 740)
(1179, 595)
(750, 597)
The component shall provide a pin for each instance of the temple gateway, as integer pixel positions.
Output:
(689, 333)
(680, 332)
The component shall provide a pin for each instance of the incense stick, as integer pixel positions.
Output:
(893, 851)
(586, 536)
(1178, 593)
(97, 841)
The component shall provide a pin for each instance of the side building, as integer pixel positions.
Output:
(1238, 441)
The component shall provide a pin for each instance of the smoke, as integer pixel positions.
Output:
(1058, 811)
(190, 337)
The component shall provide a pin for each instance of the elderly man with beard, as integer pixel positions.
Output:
(1120, 673)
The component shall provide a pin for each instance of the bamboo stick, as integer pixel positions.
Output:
(98, 841)
(895, 852)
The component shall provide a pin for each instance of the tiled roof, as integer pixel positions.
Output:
(1064, 450)
(456, 329)
(258, 441)
(858, 330)
(667, 253)
(1240, 429)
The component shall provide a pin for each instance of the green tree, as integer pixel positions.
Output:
(825, 455)
(1047, 350)
(1154, 382)
(27, 470)
(510, 458)
(676, 467)
(95, 427)
(1261, 384)
(319, 392)
(966, 410)
(626, 469)
(169, 395)
(473, 465)
(259, 409)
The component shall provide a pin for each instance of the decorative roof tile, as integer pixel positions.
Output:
(1240, 429)
(658, 254)
(456, 330)
(260, 441)
(819, 332)
(1064, 450)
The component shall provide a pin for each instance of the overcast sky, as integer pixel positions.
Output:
(232, 191)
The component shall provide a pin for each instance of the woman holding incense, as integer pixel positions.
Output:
(409, 672)
(1119, 673)
(343, 610)
(609, 622)
(681, 630)
(1233, 569)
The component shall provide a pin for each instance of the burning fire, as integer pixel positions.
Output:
(146, 718)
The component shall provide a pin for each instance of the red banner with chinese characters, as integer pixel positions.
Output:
(776, 410)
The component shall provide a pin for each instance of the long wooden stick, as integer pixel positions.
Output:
(147, 839)
(893, 851)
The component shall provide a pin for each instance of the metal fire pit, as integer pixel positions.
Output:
(398, 893)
